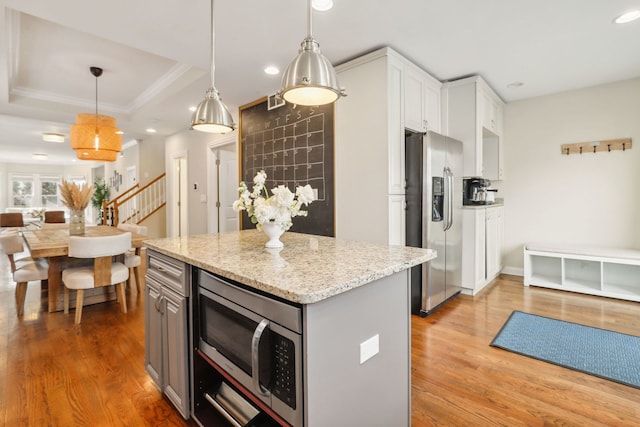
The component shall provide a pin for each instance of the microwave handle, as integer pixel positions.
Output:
(255, 358)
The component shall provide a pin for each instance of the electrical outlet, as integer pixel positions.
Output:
(369, 348)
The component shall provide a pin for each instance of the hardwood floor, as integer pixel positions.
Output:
(54, 373)
(459, 380)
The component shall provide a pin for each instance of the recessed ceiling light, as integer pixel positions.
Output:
(40, 156)
(119, 132)
(322, 5)
(151, 130)
(515, 84)
(192, 108)
(632, 15)
(53, 137)
(272, 70)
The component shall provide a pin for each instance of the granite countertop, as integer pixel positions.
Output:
(308, 269)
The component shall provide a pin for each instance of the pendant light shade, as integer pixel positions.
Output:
(310, 79)
(95, 136)
(88, 126)
(212, 115)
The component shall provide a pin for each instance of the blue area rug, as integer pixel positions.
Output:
(605, 354)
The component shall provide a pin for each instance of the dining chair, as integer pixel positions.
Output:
(103, 272)
(24, 269)
(131, 260)
(54, 217)
(11, 219)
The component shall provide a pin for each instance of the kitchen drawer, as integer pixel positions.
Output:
(169, 272)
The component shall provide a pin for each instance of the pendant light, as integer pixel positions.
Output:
(310, 78)
(95, 136)
(212, 115)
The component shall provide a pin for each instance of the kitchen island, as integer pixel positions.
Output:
(354, 324)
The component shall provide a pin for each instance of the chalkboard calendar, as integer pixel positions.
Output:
(293, 144)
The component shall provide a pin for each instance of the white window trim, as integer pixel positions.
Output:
(37, 180)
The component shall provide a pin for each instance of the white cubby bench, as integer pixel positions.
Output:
(605, 272)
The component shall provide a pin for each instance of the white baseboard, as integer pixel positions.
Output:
(516, 271)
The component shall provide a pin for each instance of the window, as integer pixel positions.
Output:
(22, 191)
(34, 191)
(49, 191)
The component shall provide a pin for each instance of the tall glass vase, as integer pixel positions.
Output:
(76, 222)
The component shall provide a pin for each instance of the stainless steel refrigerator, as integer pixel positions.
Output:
(433, 173)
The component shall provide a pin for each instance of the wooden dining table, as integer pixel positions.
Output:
(51, 241)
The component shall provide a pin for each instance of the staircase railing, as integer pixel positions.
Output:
(136, 204)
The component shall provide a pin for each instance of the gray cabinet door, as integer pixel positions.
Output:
(176, 367)
(153, 331)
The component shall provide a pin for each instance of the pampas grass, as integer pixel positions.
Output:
(75, 197)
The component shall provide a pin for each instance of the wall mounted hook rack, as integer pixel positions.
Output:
(597, 146)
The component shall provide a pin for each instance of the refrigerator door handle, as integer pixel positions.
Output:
(448, 202)
(445, 203)
(451, 198)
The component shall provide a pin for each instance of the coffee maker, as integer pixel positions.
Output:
(475, 191)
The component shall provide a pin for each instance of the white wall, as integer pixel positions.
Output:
(151, 164)
(589, 199)
(194, 145)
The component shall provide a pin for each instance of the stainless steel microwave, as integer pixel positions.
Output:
(256, 339)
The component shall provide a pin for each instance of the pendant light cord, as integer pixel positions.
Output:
(213, 44)
(309, 21)
(96, 100)
(96, 138)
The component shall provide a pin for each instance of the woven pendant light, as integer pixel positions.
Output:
(95, 136)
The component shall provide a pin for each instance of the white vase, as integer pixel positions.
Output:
(273, 230)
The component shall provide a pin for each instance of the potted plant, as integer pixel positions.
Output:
(100, 195)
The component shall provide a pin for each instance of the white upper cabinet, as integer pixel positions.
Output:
(395, 132)
(474, 114)
(414, 108)
(432, 90)
(421, 100)
(491, 112)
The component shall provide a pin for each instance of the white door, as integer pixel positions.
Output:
(132, 179)
(132, 176)
(180, 191)
(222, 190)
(227, 190)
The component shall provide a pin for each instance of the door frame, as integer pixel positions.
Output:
(212, 179)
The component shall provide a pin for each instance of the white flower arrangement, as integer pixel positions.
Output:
(281, 206)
